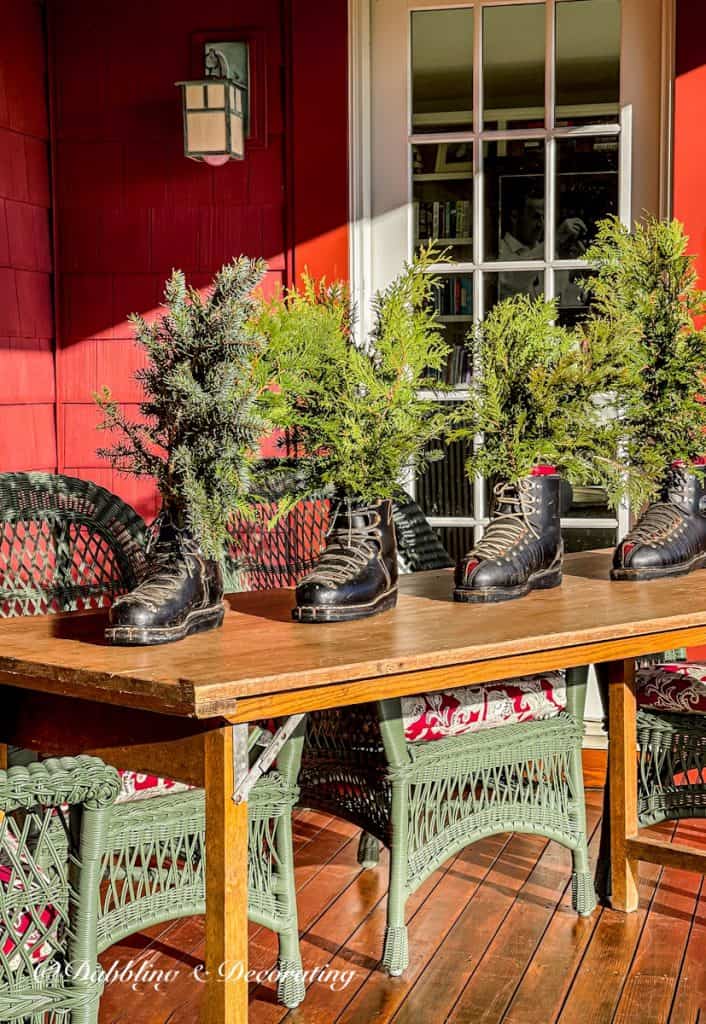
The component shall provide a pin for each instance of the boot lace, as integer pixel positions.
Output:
(513, 502)
(157, 577)
(348, 550)
(660, 519)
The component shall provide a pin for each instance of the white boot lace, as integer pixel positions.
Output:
(348, 548)
(514, 503)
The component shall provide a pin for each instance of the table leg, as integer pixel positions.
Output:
(3, 755)
(226, 991)
(622, 764)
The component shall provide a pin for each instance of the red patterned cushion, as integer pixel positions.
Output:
(138, 786)
(679, 687)
(23, 931)
(432, 716)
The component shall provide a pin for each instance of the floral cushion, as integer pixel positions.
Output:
(432, 716)
(23, 932)
(679, 687)
(138, 786)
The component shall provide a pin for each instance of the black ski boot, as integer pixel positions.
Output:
(181, 592)
(669, 539)
(356, 575)
(521, 549)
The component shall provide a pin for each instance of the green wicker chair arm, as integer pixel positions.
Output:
(66, 780)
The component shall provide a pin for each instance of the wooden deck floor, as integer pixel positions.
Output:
(492, 938)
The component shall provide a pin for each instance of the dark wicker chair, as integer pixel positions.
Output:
(68, 544)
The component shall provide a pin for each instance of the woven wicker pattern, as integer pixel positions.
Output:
(672, 767)
(65, 544)
(51, 840)
(68, 544)
(425, 801)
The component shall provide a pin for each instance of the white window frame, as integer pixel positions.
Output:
(364, 277)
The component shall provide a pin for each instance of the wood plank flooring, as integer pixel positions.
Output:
(492, 939)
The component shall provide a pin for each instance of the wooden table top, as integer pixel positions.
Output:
(260, 652)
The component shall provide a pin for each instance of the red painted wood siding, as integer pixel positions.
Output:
(129, 206)
(689, 135)
(27, 423)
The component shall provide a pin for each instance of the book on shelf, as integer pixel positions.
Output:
(454, 295)
(451, 219)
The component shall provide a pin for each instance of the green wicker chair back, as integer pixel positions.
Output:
(65, 544)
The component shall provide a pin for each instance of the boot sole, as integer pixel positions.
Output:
(491, 595)
(314, 613)
(196, 622)
(654, 574)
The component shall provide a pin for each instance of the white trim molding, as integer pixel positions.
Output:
(360, 161)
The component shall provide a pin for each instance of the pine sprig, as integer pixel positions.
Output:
(544, 394)
(202, 414)
(647, 278)
(355, 414)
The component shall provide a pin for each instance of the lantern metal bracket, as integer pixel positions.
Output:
(245, 776)
(231, 61)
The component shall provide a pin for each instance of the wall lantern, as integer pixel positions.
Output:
(216, 107)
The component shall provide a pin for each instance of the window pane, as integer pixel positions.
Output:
(513, 66)
(514, 200)
(442, 70)
(588, 61)
(442, 178)
(444, 489)
(587, 191)
(516, 282)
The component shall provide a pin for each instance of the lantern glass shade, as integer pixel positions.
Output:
(213, 119)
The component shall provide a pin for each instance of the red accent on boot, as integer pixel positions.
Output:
(699, 461)
(627, 549)
(469, 568)
(543, 471)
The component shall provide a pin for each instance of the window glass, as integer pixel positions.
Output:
(587, 61)
(442, 70)
(442, 177)
(587, 191)
(511, 282)
(444, 489)
(513, 66)
(514, 199)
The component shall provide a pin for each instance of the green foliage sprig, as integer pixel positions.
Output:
(202, 417)
(647, 278)
(355, 413)
(543, 394)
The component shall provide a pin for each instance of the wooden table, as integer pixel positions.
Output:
(174, 708)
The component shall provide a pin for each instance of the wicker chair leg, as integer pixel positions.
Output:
(395, 956)
(290, 982)
(583, 891)
(368, 851)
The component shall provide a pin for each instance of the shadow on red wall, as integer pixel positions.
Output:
(129, 207)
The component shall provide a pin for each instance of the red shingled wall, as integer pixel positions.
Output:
(27, 428)
(129, 206)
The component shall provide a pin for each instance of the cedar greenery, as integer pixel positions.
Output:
(541, 395)
(354, 414)
(202, 414)
(647, 278)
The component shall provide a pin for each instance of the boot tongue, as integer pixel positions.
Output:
(680, 488)
(354, 515)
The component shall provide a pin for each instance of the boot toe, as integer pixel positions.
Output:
(629, 555)
(480, 575)
(313, 594)
(130, 613)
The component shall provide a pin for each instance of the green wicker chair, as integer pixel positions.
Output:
(671, 739)
(67, 544)
(54, 820)
(427, 800)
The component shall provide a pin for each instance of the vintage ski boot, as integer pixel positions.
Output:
(180, 592)
(356, 575)
(669, 538)
(521, 549)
